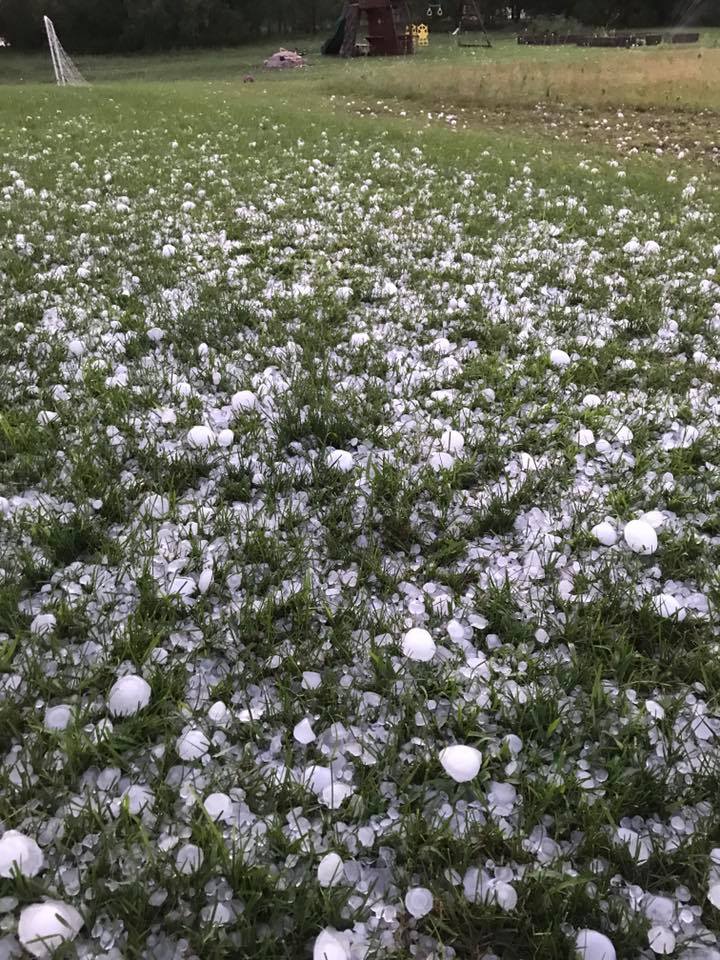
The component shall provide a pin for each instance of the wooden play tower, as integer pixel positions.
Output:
(386, 24)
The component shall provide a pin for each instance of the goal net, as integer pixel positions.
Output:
(65, 70)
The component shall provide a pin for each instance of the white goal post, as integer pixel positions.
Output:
(65, 70)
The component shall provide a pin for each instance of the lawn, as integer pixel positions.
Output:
(330, 441)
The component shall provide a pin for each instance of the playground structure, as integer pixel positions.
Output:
(390, 30)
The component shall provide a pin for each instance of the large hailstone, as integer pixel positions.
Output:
(665, 605)
(452, 441)
(58, 717)
(219, 806)
(592, 945)
(329, 946)
(419, 902)
(559, 358)
(418, 645)
(605, 533)
(44, 927)
(243, 400)
(330, 870)
(128, 696)
(341, 460)
(661, 940)
(461, 762)
(189, 858)
(192, 745)
(303, 732)
(19, 852)
(640, 537)
(200, 437)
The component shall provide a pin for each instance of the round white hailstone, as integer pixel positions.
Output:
(605, 533)
(243, 400)
(200, 437)
(452, 441)
(441, 461)
(419, 902)
(43, 927)
(225, 438)
(76, 348)
(591, 401)
(655, 518)
(128, 696)
(184, 389)
(168, 250)
(189, 858)
(461, 762)
(651, 247)
(219, 713)
(329, 946)
(418, 645)
(218, 806)
(335, 795)
(505, 895)
(156, 334)
(639, 848)
(559, 358)
(19, 852)
(661, 940)
(584, 438)
(58, 718)
(640, 537)
(592, 945)
(603, 446)
(359, 339)
(205, 579)
(303, 732)
(624, 435)
(665, 605)
(155, 506)
(330, 870)
(192, 745)
(340, 460)
(513, 743)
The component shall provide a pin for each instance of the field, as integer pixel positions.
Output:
(292, 368)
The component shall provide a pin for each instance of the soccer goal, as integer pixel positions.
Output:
(65, 70)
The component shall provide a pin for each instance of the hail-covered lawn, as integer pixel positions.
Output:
(359, 536)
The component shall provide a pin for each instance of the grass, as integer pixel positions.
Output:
(375, 281)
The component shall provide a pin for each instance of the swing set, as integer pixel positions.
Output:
(470, 24)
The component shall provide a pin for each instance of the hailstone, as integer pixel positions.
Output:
(200, 437)
(640, 537)
(303, 732)
(330, 870)
(665, 605)
(189, 858)
(592, 945)
(19, 852)
(605, 533)
(243, 400)
(461, 762)
(419, 902)
(128, 695)
(340, 460)
(452, 441)
(58, 717)
(43, 927)
(192, 745)
(661, 940)
(218, 806)
(329, 946)
(559, 358)
(418, 645)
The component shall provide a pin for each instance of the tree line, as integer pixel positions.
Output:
(104, 26)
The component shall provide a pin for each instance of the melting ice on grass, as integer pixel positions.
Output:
(419, 902)
(593, 945)
(330, 870)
